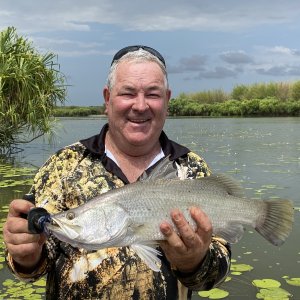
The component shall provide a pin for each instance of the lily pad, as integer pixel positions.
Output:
(266, 283)
(293, 281)
(41, 282)
(214, 294)
(22, 290)
(240, 268)
(236, 273)
(274, 293)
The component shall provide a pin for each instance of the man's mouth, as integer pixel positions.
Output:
(138, 121)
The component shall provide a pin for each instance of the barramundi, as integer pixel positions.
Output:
(131, 215)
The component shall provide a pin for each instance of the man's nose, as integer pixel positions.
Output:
(140, 103)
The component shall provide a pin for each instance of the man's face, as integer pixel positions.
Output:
(137, 104)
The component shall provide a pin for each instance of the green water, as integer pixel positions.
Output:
(262, 153)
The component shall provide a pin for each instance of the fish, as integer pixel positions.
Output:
(131, 215)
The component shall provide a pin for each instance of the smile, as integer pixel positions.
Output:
(138, 120)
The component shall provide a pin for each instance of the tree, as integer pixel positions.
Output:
(31, 85)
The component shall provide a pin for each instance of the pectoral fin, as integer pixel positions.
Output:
(232, 233)
(149, 255)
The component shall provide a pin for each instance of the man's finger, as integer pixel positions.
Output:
(172, 238)
(18, 207)
(23, 238)
(16, 225)
(202, 220)
(186, 232)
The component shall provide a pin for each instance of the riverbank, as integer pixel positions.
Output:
(269, 107)
(257, 100)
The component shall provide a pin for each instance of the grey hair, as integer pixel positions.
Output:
(140, 55)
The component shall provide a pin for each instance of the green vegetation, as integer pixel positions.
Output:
(263, 99)
(270, 99)
(31, 85)
(78, 111)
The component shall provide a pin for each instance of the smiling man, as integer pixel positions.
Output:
(133, 141)
(136, 100)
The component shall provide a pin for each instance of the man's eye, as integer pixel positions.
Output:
(127, 95)
(154, 96)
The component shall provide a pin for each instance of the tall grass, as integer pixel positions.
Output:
(206, 96)
(281, 90)
(259, 99)
(78, 111)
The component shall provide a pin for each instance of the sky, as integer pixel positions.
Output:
(207, 44)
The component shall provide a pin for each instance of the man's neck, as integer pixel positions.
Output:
(132, 162)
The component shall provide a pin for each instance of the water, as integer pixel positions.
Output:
(262, 153)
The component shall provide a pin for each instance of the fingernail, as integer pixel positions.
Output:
(194, 210)
(176, 217)
(165, 230)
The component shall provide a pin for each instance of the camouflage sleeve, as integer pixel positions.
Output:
(216, 264)
(213, 269)
(27, 277)
(48, 189)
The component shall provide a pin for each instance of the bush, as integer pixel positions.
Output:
(295, 94)
(31, 85)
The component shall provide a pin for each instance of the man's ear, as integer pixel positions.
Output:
(168, 97)
(106, 96)
(169, 93)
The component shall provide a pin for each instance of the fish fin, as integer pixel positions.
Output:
(232, 232)
(149, 255)
(277, 222)
(182, 171)
(227, 183)
(163, 170)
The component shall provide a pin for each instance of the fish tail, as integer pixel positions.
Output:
(277, 222)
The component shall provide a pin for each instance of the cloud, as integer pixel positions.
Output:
(283, 70)
(281, 50)
(193, 63)
(76, 15)
(236, 57)
(217, 73)
(69, 48)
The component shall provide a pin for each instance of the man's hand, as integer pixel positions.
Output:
(24, 247)
(187, 249)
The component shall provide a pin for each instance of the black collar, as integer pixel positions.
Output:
(96, 146)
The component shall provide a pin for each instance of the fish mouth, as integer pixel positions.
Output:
(61, 228)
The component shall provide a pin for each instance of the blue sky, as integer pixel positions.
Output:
(211, 44)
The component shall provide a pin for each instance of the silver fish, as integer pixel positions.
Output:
(131, 215)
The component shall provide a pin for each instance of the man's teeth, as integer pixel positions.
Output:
(138, 121)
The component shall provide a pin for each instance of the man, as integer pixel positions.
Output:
(136, 98)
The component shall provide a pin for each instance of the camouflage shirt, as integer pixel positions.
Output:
(80, 172)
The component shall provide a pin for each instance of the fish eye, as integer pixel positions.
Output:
(70, 215)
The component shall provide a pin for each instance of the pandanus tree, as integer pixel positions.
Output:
(31, 85)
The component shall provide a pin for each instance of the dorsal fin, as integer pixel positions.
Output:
(227, 183)
(163, 170)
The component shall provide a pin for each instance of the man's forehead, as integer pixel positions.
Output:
(134, 86)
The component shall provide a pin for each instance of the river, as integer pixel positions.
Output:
(263, 154)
